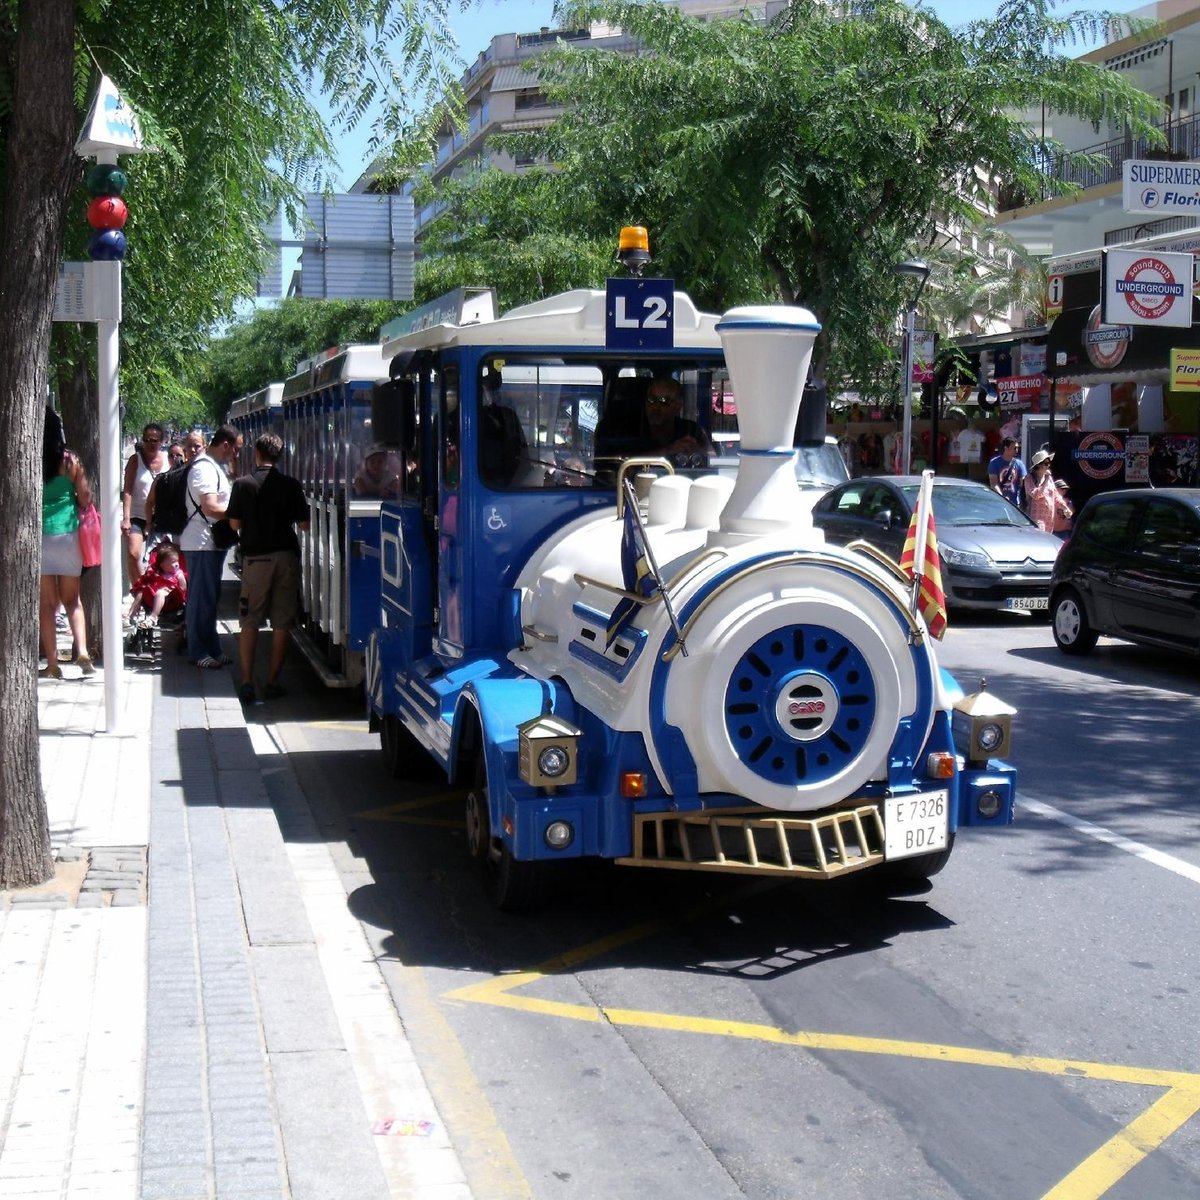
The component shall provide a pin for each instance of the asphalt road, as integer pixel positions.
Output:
(1026, 1028)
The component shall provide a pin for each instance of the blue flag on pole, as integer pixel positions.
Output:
(636, 575)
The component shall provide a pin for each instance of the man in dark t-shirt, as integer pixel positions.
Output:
(266, 508)
(662, 430)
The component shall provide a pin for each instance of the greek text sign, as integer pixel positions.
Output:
(1147, 288)
(1162, 188)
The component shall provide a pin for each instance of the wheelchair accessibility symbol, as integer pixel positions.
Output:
(496, 520)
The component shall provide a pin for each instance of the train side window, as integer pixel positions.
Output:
(451, 439)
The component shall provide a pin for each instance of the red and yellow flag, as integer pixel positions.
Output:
(920, 546)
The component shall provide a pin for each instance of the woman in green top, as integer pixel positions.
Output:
(65, 490)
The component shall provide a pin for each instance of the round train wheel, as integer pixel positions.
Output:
(479, 825)
(512, 884)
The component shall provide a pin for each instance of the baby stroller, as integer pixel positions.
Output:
(142, 638)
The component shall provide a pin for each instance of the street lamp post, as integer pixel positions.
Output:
(914, 268)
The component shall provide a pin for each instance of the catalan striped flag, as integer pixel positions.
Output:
(637, 573)
(919, 560)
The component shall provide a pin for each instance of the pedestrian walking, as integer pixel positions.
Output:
(266, 508)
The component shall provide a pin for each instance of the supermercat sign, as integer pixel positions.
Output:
(1161, 188)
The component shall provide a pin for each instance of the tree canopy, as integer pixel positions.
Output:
(800, 160)
(265, 346)
(225, 93)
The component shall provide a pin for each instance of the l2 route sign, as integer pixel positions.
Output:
(1147, 288)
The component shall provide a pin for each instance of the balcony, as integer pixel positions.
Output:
(1183, 143)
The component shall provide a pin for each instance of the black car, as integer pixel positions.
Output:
(993, 555)
(1131, 569)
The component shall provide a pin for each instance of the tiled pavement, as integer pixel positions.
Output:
(189, 1011)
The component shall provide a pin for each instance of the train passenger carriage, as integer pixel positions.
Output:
(629, 654)
(326, 427)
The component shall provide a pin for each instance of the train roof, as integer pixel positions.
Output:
(575, 318)
(344, 365)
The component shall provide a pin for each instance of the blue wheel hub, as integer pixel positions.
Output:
(800, 705)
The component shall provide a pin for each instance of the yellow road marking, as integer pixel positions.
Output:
(399, 813)
(1088, 1181)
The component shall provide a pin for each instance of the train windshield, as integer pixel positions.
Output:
(570, 422)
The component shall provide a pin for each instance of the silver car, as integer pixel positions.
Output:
(993, 555)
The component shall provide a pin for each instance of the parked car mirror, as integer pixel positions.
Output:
(884, 518)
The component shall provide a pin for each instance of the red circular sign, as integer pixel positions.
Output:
(1105, 345)
(1100, 455)
(1149, 288)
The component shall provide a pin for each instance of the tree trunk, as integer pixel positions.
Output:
(40, 170)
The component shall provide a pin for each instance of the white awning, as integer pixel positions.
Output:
(514, 79)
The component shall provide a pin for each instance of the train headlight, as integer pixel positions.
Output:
(547, 751)
(989, 804)
(989, 736)
(559, 835)
(554, 761)
(982, 726)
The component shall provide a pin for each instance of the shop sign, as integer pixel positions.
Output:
(1021, 393)
(1185, 370)
(1161, 188)
(1033, 359)
(924, 352)
(1055, 289)
(1148, 288)
(1137, 458)
(1100, 455)
(1105, 345)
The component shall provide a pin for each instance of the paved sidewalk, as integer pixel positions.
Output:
(189, 1011)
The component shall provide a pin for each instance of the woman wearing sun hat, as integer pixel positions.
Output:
(1046, 504)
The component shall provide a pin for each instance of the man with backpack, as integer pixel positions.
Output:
(166, 505)
(207, 499)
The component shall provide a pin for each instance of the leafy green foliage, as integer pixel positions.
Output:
(267, 345)
(511, 232)
(799, 161)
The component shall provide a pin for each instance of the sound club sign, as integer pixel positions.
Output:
(1147, 288)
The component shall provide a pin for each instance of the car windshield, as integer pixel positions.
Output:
(955, 505)
(820, 465)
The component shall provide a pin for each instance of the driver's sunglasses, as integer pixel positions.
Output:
(660, 400)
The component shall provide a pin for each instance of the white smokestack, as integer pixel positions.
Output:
(767, 350)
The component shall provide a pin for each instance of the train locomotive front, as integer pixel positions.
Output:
(696, 681)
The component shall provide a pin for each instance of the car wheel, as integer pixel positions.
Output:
(1072, 632)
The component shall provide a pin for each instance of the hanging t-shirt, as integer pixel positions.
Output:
(967, 447)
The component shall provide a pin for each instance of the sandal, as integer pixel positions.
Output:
(208, 663)
(50, 671)
(85, 665)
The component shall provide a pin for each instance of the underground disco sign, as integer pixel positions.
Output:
(1142, 288)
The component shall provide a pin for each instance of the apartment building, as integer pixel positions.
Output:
(1165, 64)
(1122, 381)
(503, 91)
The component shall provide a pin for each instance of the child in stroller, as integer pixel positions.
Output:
(160, 592)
